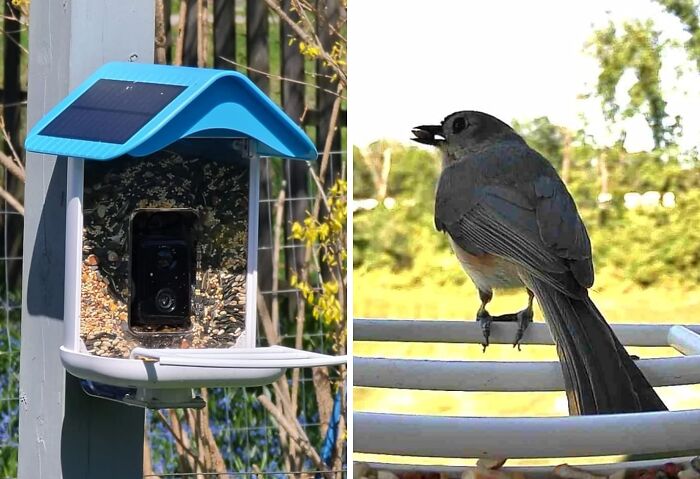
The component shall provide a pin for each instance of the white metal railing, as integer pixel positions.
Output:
(526, 437)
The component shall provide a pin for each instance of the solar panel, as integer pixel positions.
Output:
(112, 111)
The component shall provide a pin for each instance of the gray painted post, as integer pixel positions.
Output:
(63, 432)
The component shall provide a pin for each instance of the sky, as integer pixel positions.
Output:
(413, 62)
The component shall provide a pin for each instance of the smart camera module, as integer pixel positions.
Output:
(162, 269)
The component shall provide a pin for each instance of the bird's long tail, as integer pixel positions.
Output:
(599, 375)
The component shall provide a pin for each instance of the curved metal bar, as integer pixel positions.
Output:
(440, 331)
(500, 375)
(526, 437)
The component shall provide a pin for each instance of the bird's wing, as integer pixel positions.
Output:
(562, 229)
(536, 226)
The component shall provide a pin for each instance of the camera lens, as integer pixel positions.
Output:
(165, 258)
(165, 300)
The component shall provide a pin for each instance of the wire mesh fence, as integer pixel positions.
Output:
(11, 304)
(245, 431)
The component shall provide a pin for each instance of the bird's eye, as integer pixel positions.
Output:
(458, 125)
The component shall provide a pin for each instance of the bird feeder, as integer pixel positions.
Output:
(162, 230)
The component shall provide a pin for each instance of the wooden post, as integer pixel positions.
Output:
(257, 28)
(190, 53)
(63, 432)
(329, 12)
(293, 96)
(224, 33)
(11, 115)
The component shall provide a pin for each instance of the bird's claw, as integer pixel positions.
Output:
(485, 320)
(524, 319)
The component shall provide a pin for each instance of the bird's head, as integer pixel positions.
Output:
(463, 133)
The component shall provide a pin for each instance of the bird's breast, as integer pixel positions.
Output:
(488, 271)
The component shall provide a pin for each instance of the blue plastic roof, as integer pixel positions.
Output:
(214, 103)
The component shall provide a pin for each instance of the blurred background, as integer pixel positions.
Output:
(609, 93)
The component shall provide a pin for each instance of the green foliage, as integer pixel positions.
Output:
(405, 184)
(393, 238)
(651, 246)
(543, 136)
(687, 12)
(361, 176)
(636, 48)
(327, 236)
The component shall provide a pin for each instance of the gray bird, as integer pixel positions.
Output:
(512, 223)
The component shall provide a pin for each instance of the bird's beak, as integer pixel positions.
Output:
(426, 134)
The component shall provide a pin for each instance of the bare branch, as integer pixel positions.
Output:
(12, 167)
(293, 432)
(202, 36)
(336, 32)
(307, 21)
(282, 397)
(276, 248)
(319, 185)
(182, 447)
(333, 125)
(147, 464)
(11, 200)
(180, 45)
(215, 459)
(338, 460)
(7, 35)
(324, 399)
(161, 40)
(186, 461)
(272, 76)
(306, 37)
(13, 163)
(298, 343)
(266, 320)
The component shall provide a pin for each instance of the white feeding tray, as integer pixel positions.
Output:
(189, 368)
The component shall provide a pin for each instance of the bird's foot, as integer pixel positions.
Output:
(524, 319)
(485, 320)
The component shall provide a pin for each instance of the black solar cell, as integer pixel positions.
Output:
(112, 111)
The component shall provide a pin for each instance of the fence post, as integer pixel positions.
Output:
(63, 432)
(293, 102)
(329, 14)
(224, 33)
